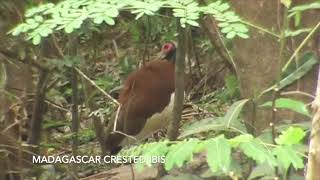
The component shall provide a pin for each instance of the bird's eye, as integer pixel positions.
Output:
(166, 46)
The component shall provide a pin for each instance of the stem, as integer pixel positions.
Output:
(179, 83)
(283, 41)
(261, 29)
(300, 46)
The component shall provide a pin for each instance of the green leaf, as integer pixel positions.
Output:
(219, 154)
(202, 126)
(192, 23)
(109, 20)
(183, 22)
(180, 153)
(224, 24)
(231, 35)
(242, 35)
(39, 9)
(287, 103)
(240, 27)
(297, 32)
(309, 60)
(286, 3)
(297, 19)
(223, 7)
(212, 124)
(226, 29)
(68, 28)
(38, 18)
(36, 39)
(113, 12)
(304, 7)
(261, 170)
(234, 111)
(157, 149)
(287, 156)
(293, 135)
(139, 15)
(236, 141)
(257, 152)
(98, 20)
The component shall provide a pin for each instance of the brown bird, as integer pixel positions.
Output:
(146, 99)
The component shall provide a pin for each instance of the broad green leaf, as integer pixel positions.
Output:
(291, 104)
(234, 111)
(258, 152)
(309, 60)
(180, 153)
(293, 135)
(219, 154)
(287, 156)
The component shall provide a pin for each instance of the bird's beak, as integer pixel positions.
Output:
(161, 55)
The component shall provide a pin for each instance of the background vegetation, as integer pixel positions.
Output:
(251, 76)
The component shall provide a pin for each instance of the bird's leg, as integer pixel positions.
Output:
(160, 133)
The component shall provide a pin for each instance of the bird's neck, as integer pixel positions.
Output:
(171, 56)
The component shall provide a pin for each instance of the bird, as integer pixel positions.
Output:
(146, 99)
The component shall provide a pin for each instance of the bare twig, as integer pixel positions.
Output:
(96, 86)
(298, 92)
(115, 46)
(132, 171)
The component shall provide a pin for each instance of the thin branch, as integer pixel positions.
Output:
(261, 29)
(298, 92)
(115, 46)
(304, 42)
(96, 86)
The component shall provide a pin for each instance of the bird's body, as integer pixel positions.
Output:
(145, 101)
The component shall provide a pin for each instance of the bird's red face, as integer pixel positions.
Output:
(167, 49)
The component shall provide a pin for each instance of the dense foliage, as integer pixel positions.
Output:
(71, 14)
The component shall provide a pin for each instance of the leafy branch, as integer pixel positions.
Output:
(70, 15)
(219, 150)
